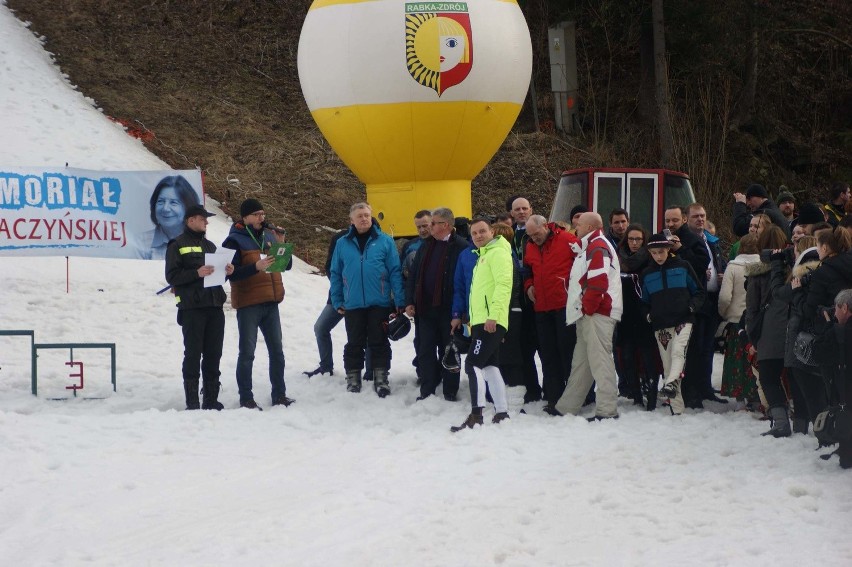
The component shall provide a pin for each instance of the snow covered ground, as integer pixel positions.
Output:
(337, 479)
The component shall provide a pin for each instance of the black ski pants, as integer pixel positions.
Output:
(203, 334)
(556, 342)
(433, 336)
(366, 326)
(529, 346)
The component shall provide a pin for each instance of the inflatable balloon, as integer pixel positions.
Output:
(415, 97)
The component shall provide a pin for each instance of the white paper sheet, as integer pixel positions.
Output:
(218, 260)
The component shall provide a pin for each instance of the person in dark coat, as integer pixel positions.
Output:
(200, 312)
(833, 275)
(755, 201)
(806, 384)
(768, 316)
(842, 376)
(636, 352)
(707, 320)
(521, 211)
(690, 248)
(429, 299)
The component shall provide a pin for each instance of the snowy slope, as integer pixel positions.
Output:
(337, 479)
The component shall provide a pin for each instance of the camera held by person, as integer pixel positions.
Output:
(788, 255)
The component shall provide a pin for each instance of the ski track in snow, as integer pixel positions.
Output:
(338, 478)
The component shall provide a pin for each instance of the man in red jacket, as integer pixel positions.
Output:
(549, 257)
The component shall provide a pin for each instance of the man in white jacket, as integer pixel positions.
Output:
(595, 305)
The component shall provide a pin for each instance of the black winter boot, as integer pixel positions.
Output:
(210, 396)
(353, 381)
(380, 382)
(800, 425)
(780, 423)
(649, 386)
(190, 390)
(499, 416)
(844, 451)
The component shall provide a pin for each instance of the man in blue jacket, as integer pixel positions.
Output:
(366, 283)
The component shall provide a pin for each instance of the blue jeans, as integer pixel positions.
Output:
(249, 319)
(328, 320)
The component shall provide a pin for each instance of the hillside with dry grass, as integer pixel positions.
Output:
(761, 92)
(214, 85)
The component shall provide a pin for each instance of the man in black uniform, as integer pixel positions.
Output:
(200, 312)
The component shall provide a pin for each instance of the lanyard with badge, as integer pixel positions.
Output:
(260, 243)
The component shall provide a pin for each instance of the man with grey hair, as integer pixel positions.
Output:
(842, 382)
(366, 282)
(549, 258)
(429, 299)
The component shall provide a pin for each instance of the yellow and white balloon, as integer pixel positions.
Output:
(415, 97)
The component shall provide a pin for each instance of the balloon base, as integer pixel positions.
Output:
(395, 204)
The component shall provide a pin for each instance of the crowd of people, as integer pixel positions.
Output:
(610, 310)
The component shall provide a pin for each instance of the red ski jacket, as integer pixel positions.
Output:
(550, 265)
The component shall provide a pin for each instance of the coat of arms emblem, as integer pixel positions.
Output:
(438, 43)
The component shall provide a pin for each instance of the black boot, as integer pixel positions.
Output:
(353, 381)
(210, 396)
(380, 382)
(650, 387)
(499, 416)
(800, 425)
(190, 390)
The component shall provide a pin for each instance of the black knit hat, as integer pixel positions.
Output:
(756, 190)
(250, 206)
(810, 213)
(785, 196)
(659, 240)
(578, 209)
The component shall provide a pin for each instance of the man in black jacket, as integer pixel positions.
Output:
(753, 202)
(689, 247)
(521, 211)
(429, 298)
(199, 308)
(704, 332)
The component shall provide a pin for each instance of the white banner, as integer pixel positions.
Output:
(78, 212)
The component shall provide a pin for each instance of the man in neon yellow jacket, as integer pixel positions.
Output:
(490, 294)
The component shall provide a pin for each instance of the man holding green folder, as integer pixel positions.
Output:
(255, 294)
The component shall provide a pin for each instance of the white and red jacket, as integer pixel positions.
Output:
(595, 285)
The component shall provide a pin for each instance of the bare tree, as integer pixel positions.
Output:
(664, 126)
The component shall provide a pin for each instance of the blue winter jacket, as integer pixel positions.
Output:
(371, 278)
(461, 284)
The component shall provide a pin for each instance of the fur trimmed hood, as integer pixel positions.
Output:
(802, 269)
(757, 269)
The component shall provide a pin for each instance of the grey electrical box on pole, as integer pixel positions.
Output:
(562, 49)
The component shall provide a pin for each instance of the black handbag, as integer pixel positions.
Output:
(833, 425)
(803, 348)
